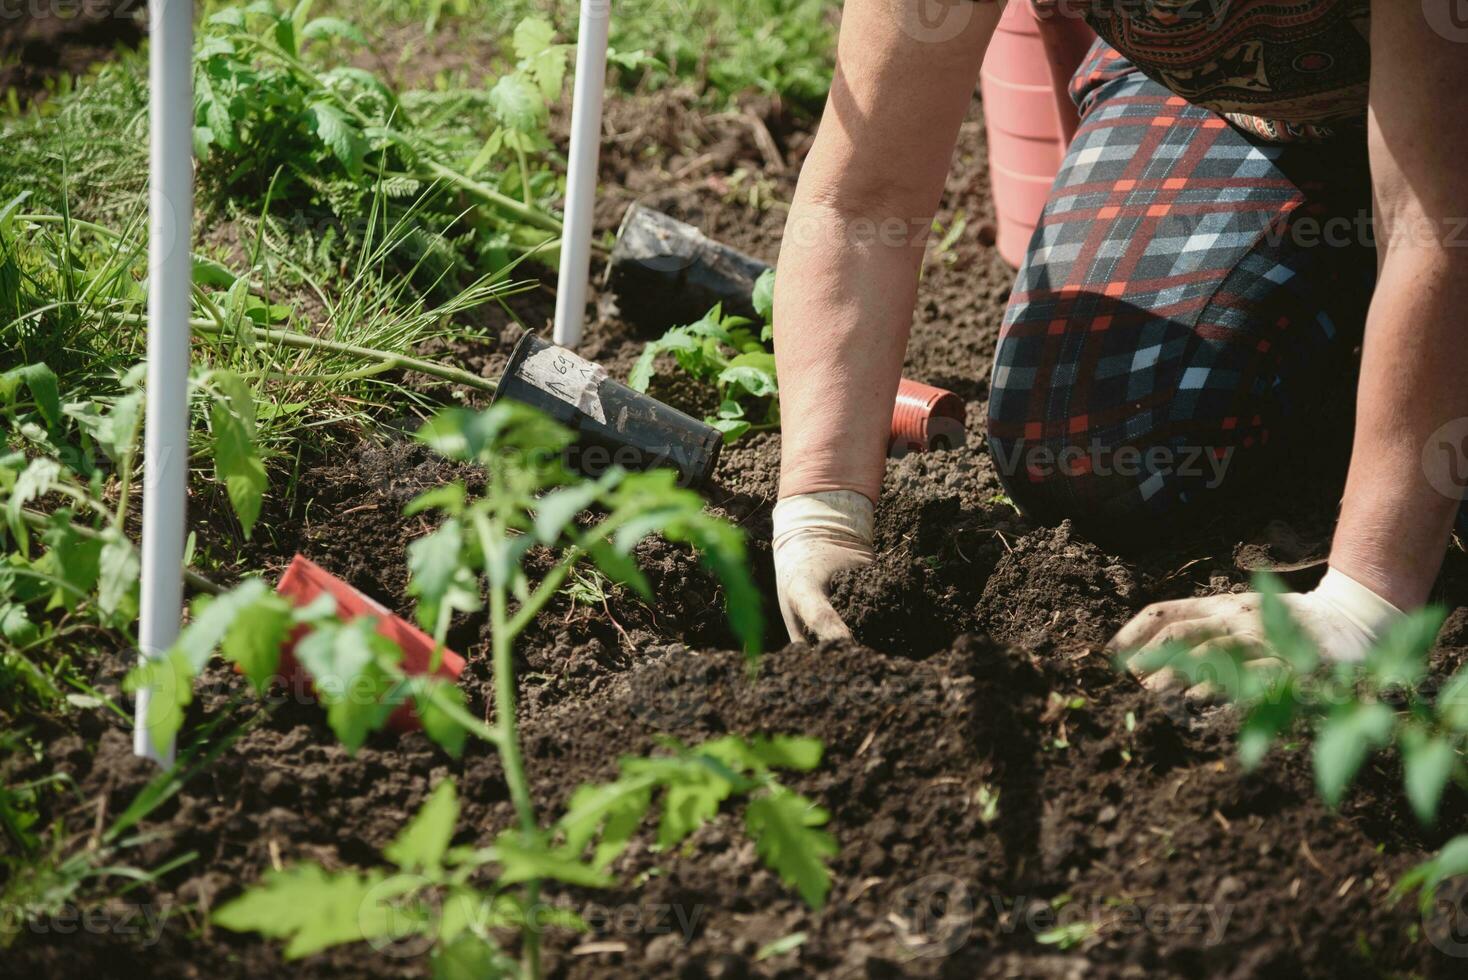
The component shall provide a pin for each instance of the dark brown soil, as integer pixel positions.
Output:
(42, 42)
(1006, 803)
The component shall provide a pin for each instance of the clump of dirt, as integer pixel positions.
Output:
(1053, 591)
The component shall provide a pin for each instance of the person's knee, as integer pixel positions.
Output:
(1102, 477)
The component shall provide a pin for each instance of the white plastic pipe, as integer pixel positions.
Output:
(586, 109)
(170, 274)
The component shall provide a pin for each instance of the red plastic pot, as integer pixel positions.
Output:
(1028, 113)
(305, 580)
(924, 418)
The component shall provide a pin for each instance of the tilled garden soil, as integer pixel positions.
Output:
(1006, 803)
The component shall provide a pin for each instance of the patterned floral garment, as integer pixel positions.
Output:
(1285, 70)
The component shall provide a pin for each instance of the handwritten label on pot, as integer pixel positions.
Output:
(574, 380)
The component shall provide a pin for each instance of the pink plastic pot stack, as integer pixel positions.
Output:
(1029, 114)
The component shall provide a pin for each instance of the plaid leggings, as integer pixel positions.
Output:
(1190, 291)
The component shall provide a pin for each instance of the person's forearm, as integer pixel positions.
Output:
(1396, 516)
(843, 307)
(853, 246)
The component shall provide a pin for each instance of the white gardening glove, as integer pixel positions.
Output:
(1344, 617)
(817, 535)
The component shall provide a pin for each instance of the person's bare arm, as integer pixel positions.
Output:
(1394, 522)
(848, 272)
(1401, 493)
(848, 267)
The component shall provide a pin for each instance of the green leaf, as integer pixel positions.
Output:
(449, 498)
(325, 27)
(1427, 765)
(781, 946)
(532, 36)
(619, 567)
(1263, 724)
(422, 843)
(784, 827)
(214, 617)
(559, 507)
(437, 576)
(521, 862)
(439, 723)
(763, 297)
(467, 956)
(169, 680)
(254, 640)
(517, 103)
(36, 480)
(1284, 635)
(1344, 740)
(1450, 862)
(41, 382)
(339, 135)
(731, 428)
(237, 462)
(1452, 702)
(118, 572)
(1399, 659)
(316, 909)
(615, 810)
(349, 668)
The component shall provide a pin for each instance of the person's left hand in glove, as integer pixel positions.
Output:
(1344, 617)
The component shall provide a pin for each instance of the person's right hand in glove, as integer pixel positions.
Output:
(816, 536)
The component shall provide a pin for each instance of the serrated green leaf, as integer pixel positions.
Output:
(422, 843)
(316, 909)
(517, 104)
(1344, 740)
(339, 135)
(532, 36)
(785, 826)
(614, 810)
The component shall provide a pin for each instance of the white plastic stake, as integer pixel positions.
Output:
(586, 109)
(170, 275)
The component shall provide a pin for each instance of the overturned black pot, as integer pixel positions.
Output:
(614, 425)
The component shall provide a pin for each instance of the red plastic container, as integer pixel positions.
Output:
(304, 580)
(1028, 113)
(925, 418)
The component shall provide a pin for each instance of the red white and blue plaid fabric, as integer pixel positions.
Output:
(1189, 288)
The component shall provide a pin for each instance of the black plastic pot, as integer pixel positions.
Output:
(615, 425)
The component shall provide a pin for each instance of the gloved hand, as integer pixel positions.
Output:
(817, 535)
(1344, 617)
